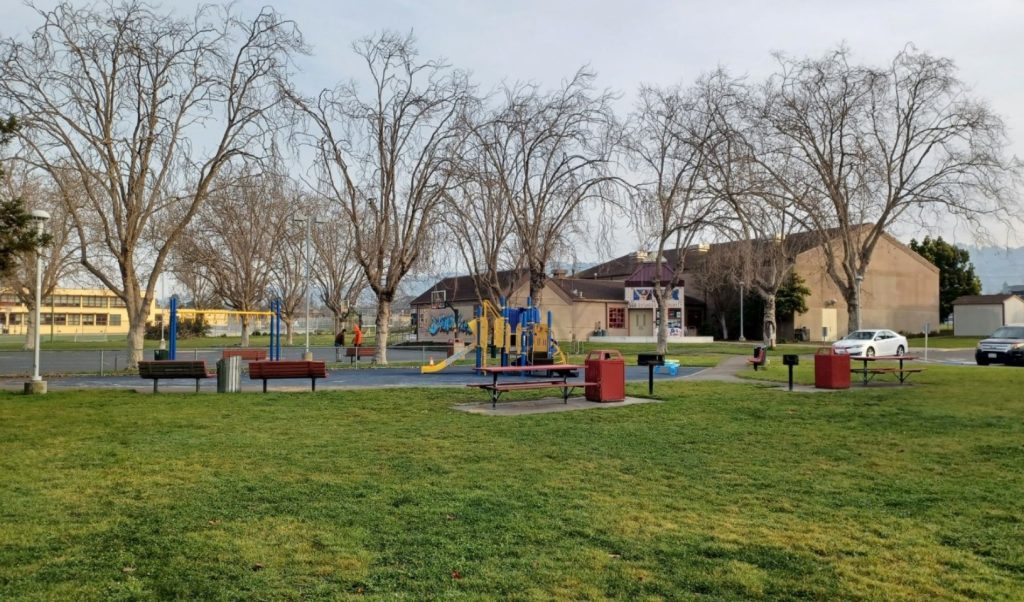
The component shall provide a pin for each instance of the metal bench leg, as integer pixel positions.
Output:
(314, 383)
(264, 385)
(197, 385)
(155, 388)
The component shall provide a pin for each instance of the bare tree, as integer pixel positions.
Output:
(338, 276)
(385, 157)
(876, 147)
(673, 135)
(59, 255)
(288, 283)
(140, 110)
(547, 156)
(478, 220)
(230, 246)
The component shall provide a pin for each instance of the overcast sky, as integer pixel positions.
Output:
(661, 42)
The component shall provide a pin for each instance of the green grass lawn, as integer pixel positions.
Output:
(945, 342)
(725, 491)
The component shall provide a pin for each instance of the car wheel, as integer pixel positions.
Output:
(870, 352)
(982, 362)
(900, 351)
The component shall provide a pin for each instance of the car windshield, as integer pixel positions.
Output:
(1009, 332)
(860, 335)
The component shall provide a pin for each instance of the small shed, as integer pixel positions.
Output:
(980, 315)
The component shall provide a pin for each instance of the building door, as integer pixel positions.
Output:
(640, 322)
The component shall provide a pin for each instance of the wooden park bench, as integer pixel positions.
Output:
(760, 359)
(354, 353)
(287, 369)
(165, 369)
(249, 354)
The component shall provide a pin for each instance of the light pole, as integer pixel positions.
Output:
(308, 355)
(37, 385)
(858, 279)
(742, 338)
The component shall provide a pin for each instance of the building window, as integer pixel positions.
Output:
(101, 319)
(63, 301)
(616, 317)
(116, 302)
(54, 319)
(115, 319)
(10, 298)
(94, 301)
(74, 319)
(88, 319)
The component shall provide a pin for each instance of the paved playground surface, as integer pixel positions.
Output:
(336, 379)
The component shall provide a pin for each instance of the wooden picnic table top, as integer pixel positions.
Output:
(875, 358)
(533, 368)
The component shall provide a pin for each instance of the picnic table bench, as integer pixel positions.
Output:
(248, 354)
(287, 369)
(166, 369)
(563, 371)
(868, 373)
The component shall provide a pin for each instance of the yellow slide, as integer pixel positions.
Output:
(458, 355)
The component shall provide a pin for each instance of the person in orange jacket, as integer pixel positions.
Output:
(357, 336)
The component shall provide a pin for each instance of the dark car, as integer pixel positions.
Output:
(1005, 346)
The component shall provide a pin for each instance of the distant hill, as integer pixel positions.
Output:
(997, 266)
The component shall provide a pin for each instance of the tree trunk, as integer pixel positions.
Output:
(383, 323)
(770, 322)
(30, 328)
(662, 309)
(289, 332)
(725, 328)
(853, 310)
(245, 331)
(537, 280)
(136, 334)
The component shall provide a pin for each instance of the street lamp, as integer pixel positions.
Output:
(309, 233)
(858, 279)
(37, 385)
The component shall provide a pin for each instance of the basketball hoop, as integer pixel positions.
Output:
(437, 299)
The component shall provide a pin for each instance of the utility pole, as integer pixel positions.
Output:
(308, 221)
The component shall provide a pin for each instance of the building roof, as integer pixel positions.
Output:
(646, 272)
(624, 266)
(462, 289)
(983, 299)
(587, 289)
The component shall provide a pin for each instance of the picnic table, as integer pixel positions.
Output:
(558, 379)
(869, 372)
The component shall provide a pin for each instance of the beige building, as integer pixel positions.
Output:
(981, 315)
(900, 290)
(68, 311)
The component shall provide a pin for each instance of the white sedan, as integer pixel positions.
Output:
(872, 343)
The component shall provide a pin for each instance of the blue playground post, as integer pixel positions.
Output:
(172, 349)
(479, 336)
(504, 314)
(275, 330)
(551, 338)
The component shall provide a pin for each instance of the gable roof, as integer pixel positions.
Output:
(462, 289)
(983, 299)
(798, 242)
(645, 274)
(586, 289)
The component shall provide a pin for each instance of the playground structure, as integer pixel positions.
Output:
(508, 336)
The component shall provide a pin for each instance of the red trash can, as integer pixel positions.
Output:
(607, 368)
(831, 369)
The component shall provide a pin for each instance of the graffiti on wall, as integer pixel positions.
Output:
(446, 323)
